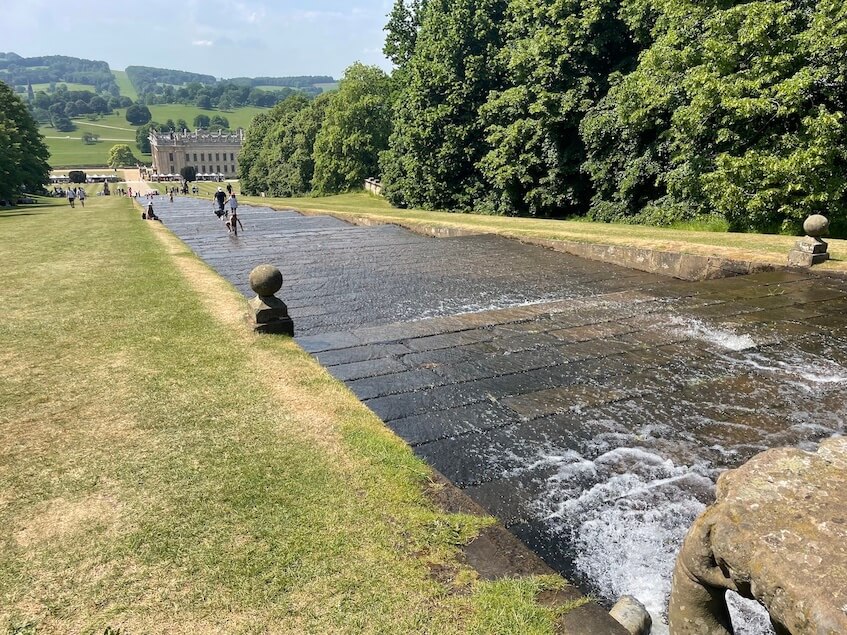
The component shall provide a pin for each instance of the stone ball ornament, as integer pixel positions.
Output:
(816, 226)
(265, 280)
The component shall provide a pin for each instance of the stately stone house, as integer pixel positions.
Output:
(209, 152)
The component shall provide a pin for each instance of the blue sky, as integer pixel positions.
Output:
(217, 37)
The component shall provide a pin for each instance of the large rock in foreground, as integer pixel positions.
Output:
(777, 533)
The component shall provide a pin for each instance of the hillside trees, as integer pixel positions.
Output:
(553, 75)
(726, 113)
(293, 173)
(438, 136)
(262, 152)
(647, 111)
(355, 129)
(23, 161)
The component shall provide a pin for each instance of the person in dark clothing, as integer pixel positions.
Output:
(220, 199)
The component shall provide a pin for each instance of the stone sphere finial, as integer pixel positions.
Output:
(816, 225)
(266, 280)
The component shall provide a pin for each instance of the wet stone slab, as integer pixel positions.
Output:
(588, 405)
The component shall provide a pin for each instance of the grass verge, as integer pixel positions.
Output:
(768, 248)
(165, 470)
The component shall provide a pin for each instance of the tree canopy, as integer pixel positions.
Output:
(642, 111)
(138, 114)
(23, 160)
(356, 126)
(121, 155)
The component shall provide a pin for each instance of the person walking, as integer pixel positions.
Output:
(81, 196)
(234, 222)
(220, 199)
(71, 197)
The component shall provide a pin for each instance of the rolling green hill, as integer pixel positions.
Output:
(125, 85)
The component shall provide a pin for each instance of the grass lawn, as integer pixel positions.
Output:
(240, 117)
(127, 89)
(768, 248)
(165, 470)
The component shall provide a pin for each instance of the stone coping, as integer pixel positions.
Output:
(679, 265)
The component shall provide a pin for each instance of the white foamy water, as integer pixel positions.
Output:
(451, 307)
(722, 338)
(800, 369)
(626, 514)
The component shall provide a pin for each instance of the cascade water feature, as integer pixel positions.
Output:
(590, 407)
(626, 511)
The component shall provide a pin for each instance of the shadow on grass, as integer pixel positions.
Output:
(14, 213)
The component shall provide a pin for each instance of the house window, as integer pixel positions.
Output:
(232, 156)
(171, 158)
(202, 156)
(203, 170)
(187, 159)
(217, 156)
(233, 169)
(195, 157)
(219, 169)
(225, 169)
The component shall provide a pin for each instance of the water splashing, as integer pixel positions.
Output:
(722, 338)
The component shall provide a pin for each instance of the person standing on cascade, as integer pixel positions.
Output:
(220, 199)
(81, 196)
(71, 196)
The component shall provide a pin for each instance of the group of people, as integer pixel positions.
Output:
(229, 216)
(226, 207)
(75, 194)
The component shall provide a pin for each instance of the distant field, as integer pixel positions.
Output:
(74, 153)
(239, 117)
(326, 87)
(125, 85)
(70, 85)
(68, 150)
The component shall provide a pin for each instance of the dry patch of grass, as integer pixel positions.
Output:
(61, 519)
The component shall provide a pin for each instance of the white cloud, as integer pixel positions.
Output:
(202, 43)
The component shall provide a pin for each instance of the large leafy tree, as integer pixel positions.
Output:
(138, 114)
(438, 138)
(121, 155)
(356, 127)
(736, 108)
(401, 31)
(294, 173)
(557, 57)
(263, 151)
(24, 156)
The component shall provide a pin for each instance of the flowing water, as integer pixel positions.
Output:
(589, 407)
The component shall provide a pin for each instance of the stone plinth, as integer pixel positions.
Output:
(811, 249)
(808, 251)
(270, 314)
(778, 534)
